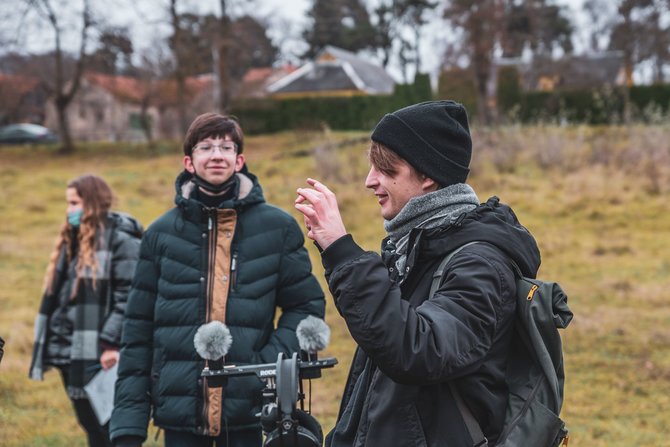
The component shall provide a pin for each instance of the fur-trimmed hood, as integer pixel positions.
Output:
(249, 192)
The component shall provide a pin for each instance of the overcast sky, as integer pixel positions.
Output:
(286, 20)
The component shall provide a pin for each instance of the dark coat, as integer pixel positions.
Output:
(411, 346)
(176, 290)
(97, 309)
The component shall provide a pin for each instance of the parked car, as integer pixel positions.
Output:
(26, 133)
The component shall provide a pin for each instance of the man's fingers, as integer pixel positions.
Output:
(314, 197)
(306, 211)
(319, 186)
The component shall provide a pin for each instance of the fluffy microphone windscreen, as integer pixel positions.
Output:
(313, 334)
(212, 340)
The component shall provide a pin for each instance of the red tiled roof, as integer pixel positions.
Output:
(164, 91)
(130, 89)
(19, 84)
(123, 87)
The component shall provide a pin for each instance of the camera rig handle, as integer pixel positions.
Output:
(263, 371)
(283, 424)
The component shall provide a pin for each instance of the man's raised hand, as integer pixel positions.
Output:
(318, 205)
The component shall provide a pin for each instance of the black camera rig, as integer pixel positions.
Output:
(284, 425)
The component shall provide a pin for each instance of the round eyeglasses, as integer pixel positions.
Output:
(226, 148)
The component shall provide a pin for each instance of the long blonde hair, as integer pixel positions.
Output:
(97, 199)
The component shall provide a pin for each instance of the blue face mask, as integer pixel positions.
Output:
(74, 217)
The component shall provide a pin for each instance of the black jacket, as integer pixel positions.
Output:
(410, 347)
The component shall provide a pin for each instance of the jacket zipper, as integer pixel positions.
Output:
(211, 255)
(233, 272)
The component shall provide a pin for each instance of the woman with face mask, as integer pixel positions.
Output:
(78, 328)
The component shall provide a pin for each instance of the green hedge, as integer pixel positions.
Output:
(341, 113)
(646, 96)
(581, 106)
(509, 88)
(458, 84)
(594, 106)
(591, 106)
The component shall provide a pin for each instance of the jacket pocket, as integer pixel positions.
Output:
(156, 368)
(536, 425)
(409, 427)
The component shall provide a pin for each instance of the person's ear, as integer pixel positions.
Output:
(239, 162)
(188, 164)
(428, 184)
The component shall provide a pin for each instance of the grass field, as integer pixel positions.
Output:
(595, 198)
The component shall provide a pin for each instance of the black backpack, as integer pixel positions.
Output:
(535, 374)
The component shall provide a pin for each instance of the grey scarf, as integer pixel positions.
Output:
(432, 210)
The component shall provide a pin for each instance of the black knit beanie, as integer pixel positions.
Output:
(432, 136)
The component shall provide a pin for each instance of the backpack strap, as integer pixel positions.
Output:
(475, 431)
(437, 276)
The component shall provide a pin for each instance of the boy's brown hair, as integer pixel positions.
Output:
(210, 125)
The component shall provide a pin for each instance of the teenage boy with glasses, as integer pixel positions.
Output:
(221, 254)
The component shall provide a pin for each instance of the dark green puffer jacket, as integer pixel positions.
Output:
(159, 369)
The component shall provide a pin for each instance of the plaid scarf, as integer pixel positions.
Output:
(91, 306)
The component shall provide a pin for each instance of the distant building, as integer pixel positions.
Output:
(253, 85)
(334, 72)
(105, 108)
(111, 108)
(22, 99)
(256, 82)
(574, 72)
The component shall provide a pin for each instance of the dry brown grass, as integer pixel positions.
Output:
(593, 197)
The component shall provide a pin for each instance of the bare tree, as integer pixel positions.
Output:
(181, 58)
(639, 29)
(602, 16)
(538, 25)
(413, 14)
(659, 39)
(63, 84)
(223, 51)
(641, 35)
(114, 53)
(482, 24)
(149, 71)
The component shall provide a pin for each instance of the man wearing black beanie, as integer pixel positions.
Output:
(416, 345)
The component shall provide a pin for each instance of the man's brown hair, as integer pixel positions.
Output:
(386, 161)
(212, 125)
